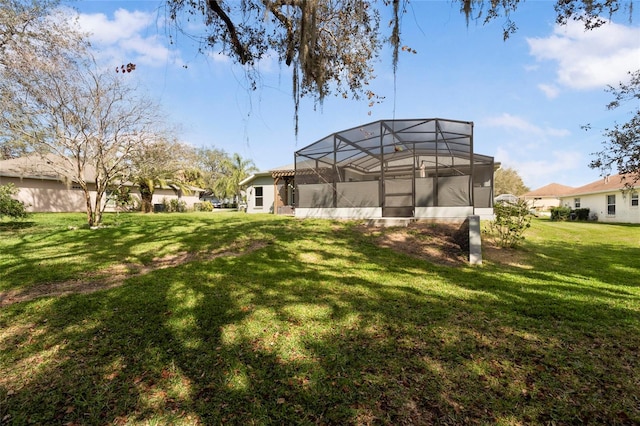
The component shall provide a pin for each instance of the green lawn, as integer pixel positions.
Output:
(273, 320)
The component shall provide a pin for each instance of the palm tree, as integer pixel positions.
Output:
(236, 169)
(157, 164)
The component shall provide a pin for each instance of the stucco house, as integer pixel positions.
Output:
(44, 190)
(270, 191)
(608, 199)
(546, 197)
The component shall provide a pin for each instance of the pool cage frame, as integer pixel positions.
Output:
(422, 168)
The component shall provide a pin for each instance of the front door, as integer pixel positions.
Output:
(398, 198)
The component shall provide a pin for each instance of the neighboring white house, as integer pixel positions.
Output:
(270, 191)
(608, 199)
(42, 190)
(546, 197)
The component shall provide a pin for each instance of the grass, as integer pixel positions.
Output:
(280, 321)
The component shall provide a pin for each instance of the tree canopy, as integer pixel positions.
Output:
(331, 46)
(222, 173)
(161, 161)
(621, 149)
(508, 181)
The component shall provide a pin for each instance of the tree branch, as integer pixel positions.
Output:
(243, 54)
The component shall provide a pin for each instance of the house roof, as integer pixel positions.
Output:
(606, 184)
(287, 170)
(280, 171)
(246, 180)
(44, 167)
(47, 167)
(553, 190)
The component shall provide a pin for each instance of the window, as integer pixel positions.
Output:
(611, 205)
(259, 198)
(634, 199)
(576, 203)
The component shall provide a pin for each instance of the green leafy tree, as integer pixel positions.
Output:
(121, 197)
(236, 169)
(621, 149)
(510, 223)
(213, 164)
(508, 181)
(9, 206)
(160, 162)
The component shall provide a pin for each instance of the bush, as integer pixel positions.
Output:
(8, 205)
(173, 205)
(581, 214)
(560, 213)
(512, 219)
(565, 213)
(122, 198)
(204, 206)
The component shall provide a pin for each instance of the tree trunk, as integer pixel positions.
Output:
(98, 209)
(146, 197)
(90, 214)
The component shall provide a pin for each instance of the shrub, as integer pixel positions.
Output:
(581, 214)
(565, 213)
(173, 205)
(560, 213)
(511, 220)
(166, 205)
(205, 206)
(122, 198)
(8, 205)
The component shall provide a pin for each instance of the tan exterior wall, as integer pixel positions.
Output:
(42, 195)
(542, 203)
(159, 195)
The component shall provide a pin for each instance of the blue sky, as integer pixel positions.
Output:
(527, 96)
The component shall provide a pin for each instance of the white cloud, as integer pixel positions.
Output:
(149, 50)
(589, 59)
(124, 38)
(513, 123)
(558, 166)
(219, 57)
(551, 91)
(269, 62)
(125, 25)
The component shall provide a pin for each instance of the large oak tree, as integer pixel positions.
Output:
(331, 45)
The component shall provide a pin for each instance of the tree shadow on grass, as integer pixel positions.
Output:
(123, 241)
(14, 225)
(324, 328)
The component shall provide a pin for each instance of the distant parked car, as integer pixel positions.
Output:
(217, 204)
